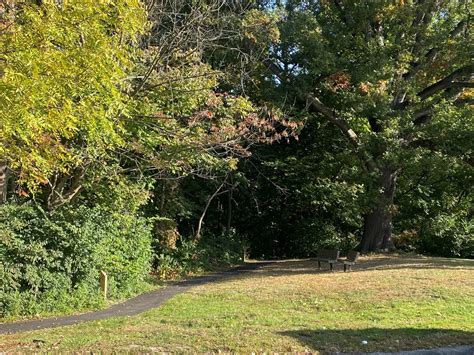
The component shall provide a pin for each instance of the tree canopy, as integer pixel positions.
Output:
(394, 78)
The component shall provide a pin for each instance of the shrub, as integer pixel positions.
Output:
(408, 240)
(196, 256)
(51, 262)
(448, 235)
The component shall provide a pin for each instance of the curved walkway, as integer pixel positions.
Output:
(458, 350)
(130, 307)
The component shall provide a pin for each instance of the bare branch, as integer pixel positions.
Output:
(201, 219)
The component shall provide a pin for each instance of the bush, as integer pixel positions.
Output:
(408, 240)
(51, 263)
(196, 256)
(448, 235)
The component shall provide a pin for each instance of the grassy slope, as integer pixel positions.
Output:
(392, 303)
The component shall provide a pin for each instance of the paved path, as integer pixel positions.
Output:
(131, 307)
(459, 350)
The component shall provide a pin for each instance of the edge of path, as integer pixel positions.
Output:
(132, 306)
(454, 350)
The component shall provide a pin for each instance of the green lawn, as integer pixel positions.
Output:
(393, 303)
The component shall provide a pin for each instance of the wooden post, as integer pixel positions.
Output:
(103, 283)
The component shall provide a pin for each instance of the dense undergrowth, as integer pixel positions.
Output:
(191, 257)
(49, 263)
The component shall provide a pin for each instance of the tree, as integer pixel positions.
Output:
(96, 97)
(298, 197)
(392, 77)
(186, 123)
(62, 88)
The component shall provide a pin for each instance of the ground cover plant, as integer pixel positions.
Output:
(392, 303)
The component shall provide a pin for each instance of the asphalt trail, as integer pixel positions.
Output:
(131, 307)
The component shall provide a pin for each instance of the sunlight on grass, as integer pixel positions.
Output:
(392, 303)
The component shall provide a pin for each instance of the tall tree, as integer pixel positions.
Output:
(391, 76)
(89, 91)
(62, 88)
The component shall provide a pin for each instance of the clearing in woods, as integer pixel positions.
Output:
(387, 303)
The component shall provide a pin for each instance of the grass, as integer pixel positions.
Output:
(392, 303)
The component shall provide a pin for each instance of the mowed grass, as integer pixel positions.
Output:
(392, 303)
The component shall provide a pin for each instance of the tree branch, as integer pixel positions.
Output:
(66, 189)
(329, 114)
(448, 82)
(318, 105)
(431, 55)
(275, 69)
(201, 219)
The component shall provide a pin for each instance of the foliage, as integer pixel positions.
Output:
(52, 262)
(191, 257)
(183, 126)
(303, 199)
(393, 78)
(62, 90)
(436, 206)
(128, 125)
(448, 235)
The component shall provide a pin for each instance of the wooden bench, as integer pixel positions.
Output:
(327, 256)
(351, 259)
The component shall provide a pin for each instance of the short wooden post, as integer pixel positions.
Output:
(103, 283)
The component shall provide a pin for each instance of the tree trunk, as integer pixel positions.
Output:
(230, 194)
(197, 236)
(378, 222)
(3, 182)
(65, 188)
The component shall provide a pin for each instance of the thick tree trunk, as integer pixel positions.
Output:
(3, 182)
(378, 222)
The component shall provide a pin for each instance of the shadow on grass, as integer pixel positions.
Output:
(377, 339)
(310, 266)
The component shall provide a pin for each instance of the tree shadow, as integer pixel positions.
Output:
(360, 341)
(220, 276)
(310, 266)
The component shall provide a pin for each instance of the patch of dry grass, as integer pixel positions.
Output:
(393, 303)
